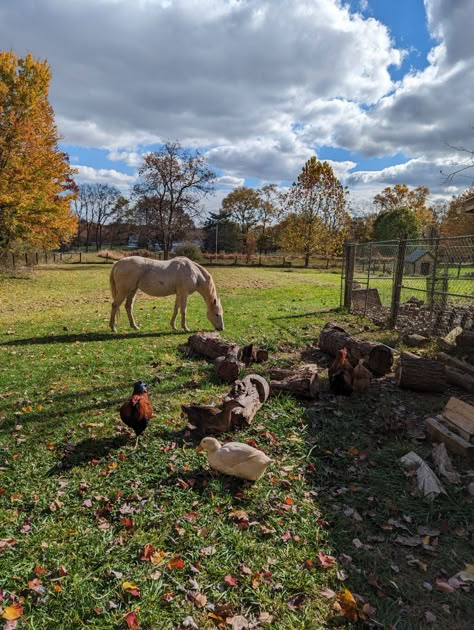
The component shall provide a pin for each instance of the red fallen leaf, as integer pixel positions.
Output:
(324, 560)
(310, 468)
(286, 536)
(252, 443)
(289, 501)
(183, 484)
(444, 586)
(39, 570)
(245, 569)
(63, 571)
(2, 492)
(308, 564)
(147, 553)
(191, 517)
(168, 597)
(35, 585)
(176, 563)
(131, 620)
(230, 580)
(122, 457)
(127, 522)
(295, 602)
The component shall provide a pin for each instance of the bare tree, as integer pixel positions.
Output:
(96, 205)
(173, 182)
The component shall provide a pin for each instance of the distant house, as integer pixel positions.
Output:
(419, 263)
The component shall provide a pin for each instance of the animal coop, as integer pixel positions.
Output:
(414, 285)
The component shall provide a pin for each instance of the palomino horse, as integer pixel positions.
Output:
(179, 276)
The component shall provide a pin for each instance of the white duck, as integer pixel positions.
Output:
(235, 459)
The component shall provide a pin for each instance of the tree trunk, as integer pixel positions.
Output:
(420, 374)
(301, 381)
(306, 260)
(378, 357)
(210, 345)
(465, 340)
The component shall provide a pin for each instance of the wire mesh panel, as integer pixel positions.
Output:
(417, 285)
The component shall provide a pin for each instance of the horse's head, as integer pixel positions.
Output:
(215, 314)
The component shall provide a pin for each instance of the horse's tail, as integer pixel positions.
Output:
(113, 286)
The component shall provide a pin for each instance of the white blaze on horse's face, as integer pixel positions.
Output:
(215, 314)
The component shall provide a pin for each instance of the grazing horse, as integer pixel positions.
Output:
(179, 276)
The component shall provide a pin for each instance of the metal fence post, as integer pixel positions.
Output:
(349, 255)
(397, 282)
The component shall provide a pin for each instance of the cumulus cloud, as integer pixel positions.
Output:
(90, 175)
(258, 85)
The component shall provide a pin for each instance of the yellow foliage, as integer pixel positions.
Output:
(36, 180)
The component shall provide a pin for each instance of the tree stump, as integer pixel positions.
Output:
(420, 374)
(211, 346)
(377, 357)
(300, 381)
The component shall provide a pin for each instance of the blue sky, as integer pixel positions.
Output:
(378, 88)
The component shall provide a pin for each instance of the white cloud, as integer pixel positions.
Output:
(89, 175)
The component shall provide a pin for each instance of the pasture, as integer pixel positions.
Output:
(94, 534)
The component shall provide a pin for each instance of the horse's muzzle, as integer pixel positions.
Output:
(219, 328)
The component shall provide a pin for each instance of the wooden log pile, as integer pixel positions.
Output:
(229, 358)
(454, 427)
(378, 358)
(237, 410)
(458, 372)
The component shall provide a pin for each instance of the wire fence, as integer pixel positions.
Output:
(415, 285)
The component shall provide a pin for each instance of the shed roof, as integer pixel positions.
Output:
(417, 254)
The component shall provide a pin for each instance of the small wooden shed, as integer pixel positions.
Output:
(419, 263)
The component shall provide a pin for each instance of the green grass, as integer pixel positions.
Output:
(70, 478)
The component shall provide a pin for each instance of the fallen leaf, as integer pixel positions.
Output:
(176, 563)
(155, 575)
(409, 541)
(12, 612)
(147, 552)
(239, 622)
(324, 560)
(208, 551)
(158, 557)
(346, 604)
(131, 588)
(467, 575)
(444, 586)
(230, 580)
(200, 600)
(188, 622)
(131, 620)
(429, 617)
(295, 602)
(327, 593)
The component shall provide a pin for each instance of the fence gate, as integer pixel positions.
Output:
(415, 285)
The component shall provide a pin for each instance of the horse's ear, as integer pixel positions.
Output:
(215, 300)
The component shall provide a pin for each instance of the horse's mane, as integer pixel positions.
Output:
(210, 286)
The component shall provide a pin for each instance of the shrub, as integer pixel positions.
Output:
(190, 250)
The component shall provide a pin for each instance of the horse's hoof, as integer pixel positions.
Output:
(186, 329)
(136, 327)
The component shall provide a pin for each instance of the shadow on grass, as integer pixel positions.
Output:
(85, 451)
(199, 479)
(318, 313)
(86, 337)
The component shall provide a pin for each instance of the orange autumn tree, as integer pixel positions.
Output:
(36, 180)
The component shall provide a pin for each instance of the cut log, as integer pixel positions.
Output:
(465, 340)
(462, 366)
(253, 354)
(377, 357)
(207, 419)
(211, 346)
(420, 374)
(301, 381)
(416, 340)
(459, 417)
(228, 368)
(454, 442)
(245, 399)
(458, 378)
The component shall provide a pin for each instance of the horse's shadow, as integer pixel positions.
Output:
(86, 337)
(87, 450)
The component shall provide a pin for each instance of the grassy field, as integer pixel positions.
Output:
(96, 534)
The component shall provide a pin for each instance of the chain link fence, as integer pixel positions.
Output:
(423, 286)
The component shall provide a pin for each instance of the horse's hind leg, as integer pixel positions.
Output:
(129, 308)
(114, 313)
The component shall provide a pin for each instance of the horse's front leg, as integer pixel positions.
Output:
(129, 308)
(175, 314)
(183, 300)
